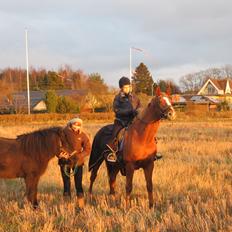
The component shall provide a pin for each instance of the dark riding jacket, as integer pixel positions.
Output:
(125, 107)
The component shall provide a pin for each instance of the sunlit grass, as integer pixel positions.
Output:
(192, 188)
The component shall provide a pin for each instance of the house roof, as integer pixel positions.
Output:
(221, 84)
(20, 98)
(176, 98)
(203, 99)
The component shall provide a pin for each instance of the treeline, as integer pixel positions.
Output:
(14, 80)
(42, 79)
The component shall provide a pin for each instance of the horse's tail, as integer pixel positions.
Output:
(99, 146)
(96, 156)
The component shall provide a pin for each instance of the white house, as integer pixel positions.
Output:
(216, 87)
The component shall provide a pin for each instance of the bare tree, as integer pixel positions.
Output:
(191, 83)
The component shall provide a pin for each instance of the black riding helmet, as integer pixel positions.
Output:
(124, 81)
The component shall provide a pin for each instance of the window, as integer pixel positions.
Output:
(210, 89)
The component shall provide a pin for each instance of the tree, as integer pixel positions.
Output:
(96, 84)
(51, 81)
(66, 105)
(192, 83)
(51, 100)
(168, 86)
(92, 101)
(142, 80)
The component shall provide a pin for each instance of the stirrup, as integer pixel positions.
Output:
(111, 157)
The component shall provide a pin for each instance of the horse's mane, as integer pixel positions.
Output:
(40, 142)
(142, 111)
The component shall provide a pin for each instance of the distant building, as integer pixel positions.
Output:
(18, 102)
(219, 90)
(216, 87)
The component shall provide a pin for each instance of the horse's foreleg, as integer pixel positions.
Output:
(129, 179)
(148, 170)
(112, 174)
(31, 182)
(93, 176)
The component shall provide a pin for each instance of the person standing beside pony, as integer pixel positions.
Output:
(82, 146)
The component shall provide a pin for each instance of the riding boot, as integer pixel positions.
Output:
(113, 143)
(66, 182)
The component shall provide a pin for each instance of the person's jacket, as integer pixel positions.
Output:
(125, 107)
(80, 142)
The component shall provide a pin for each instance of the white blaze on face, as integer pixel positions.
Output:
(172, 113)
(167, 101)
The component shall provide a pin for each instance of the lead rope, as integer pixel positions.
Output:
(71, 173)
(66, 166)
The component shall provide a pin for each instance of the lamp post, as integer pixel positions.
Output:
(152, 89)
(27, 66)
(130, 60)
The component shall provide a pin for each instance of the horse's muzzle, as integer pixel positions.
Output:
(171, 114)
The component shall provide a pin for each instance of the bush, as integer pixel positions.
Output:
(223, 106)
(66, 105)
(51, 100)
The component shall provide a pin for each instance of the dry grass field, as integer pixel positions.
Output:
(192, 188)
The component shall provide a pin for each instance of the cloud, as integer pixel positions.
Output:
(96, 35)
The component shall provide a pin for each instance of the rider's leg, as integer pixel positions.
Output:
(113, 143)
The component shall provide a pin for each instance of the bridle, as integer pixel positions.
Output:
(163, 112)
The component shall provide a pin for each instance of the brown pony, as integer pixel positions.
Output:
(27, 156)
(138, 149)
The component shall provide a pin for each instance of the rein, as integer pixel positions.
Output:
(162, 115)
(71, 173)
(65, 155)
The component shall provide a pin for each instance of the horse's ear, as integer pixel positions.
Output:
(168, 91)
(158, 91)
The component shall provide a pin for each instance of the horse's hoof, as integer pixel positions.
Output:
(35, 205)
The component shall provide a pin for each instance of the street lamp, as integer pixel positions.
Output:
(130, 59)
(152, 89)
(27, 66)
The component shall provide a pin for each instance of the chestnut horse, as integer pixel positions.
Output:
(27, 156)
(138, 149)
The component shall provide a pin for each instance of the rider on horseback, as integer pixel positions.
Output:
(125, 106)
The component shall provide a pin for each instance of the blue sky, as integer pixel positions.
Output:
(178, 36)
